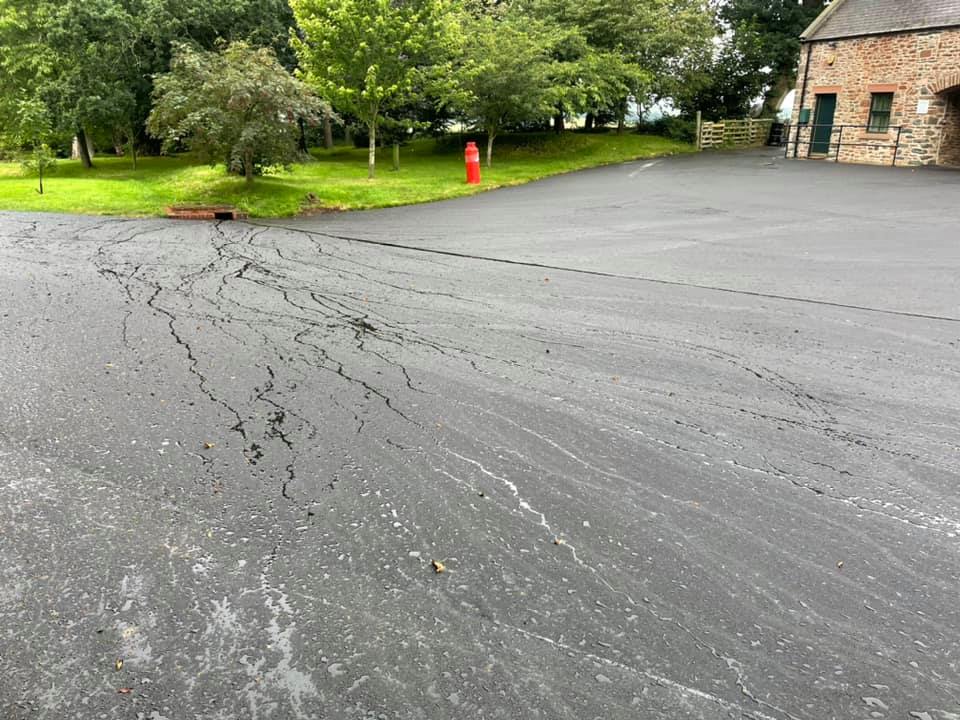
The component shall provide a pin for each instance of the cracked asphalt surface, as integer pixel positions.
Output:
(708, 469)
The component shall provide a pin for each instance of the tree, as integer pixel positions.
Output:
(618, 50)
(368, 56)
(92, 62)
(30, 130)
(725, 86)
(238, 105)
(69, 55)
(586, 79)
(506, 75)
(771, 28)
(40, 160)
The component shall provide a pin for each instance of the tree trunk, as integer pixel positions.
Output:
(372, 154)
(396, 156)
(347, 135)
(778, 91)
(302, 140)
(327, 132)
(248, 166)
(40, 172)
(558, 123)
(490, 136)
(622, 115)
(84, 148)
(588, 121)
(133, 148)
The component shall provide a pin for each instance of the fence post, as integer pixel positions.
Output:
(699, 130)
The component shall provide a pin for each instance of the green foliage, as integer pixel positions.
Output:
(92, 62)
(726, 85)
(609, 51)
(95, 67)
(29, 131)
(40, 161)
(238, 105)
(368, 56)
(663, 38)
(338, 178)
(759, 57)
(28, 122)
(675, 128)
(506, 75)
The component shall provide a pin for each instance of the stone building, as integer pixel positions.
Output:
(879, 82)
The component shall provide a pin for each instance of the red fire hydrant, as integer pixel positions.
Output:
(472, 157)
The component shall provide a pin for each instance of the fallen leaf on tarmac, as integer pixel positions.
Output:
(208, 446)
(124, 691)
(546, 279)
(840, 563)
(118, 664)
(559, 541)
(438, 567)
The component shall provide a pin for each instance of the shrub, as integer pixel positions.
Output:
(674, 128)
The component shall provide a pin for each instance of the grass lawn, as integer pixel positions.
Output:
(338, 177)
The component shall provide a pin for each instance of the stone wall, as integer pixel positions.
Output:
(911, 66)
(950, 142)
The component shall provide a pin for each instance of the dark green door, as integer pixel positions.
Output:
(823, 124)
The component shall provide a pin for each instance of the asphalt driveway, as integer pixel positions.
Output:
(682, 437)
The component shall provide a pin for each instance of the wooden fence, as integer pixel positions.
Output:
(734, 133)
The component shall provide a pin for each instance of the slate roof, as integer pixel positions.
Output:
(851, 18)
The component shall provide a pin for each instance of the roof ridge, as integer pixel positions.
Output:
(845, 19)
(821, 19)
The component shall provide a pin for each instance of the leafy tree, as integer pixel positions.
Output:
(368, 56)
(616, 50)
(725, 85)
(40, 160)
(69, 55)
(771, 30)
(92, 62)
(239, 105)
(29, 129)
(506, 75)
(161, 24)
(589, 80)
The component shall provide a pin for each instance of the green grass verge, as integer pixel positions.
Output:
(429, 171)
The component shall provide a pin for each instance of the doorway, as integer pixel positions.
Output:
(826, 108)
(949, 151)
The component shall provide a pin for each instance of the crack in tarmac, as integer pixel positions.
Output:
(619, 276)
(308, 319)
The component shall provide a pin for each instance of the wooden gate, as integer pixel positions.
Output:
(734, 133)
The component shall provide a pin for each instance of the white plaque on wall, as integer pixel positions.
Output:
(923, 107)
